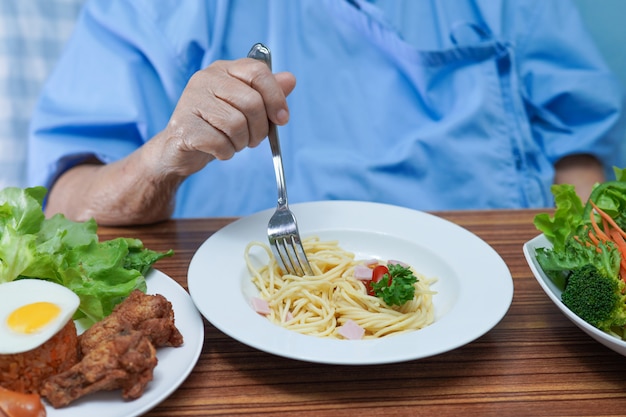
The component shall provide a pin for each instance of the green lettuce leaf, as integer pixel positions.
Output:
(558, 264)
(69, 253)
(568, 229)
(567, 219)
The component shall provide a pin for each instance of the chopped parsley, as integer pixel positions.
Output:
(400, 290)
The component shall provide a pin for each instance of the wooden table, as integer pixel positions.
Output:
(534, 362)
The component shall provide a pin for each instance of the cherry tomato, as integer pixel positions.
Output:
(379, 273)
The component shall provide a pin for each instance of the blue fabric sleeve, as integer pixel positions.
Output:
(145, 72)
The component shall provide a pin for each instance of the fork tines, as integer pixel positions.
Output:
(290, 255)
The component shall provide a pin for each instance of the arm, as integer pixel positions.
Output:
(223, 109)
(582, 171)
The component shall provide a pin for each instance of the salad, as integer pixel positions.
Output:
(587, 260)
(69, 253)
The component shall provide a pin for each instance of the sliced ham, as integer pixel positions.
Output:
(363, 273)
(351, 331)
(260, 306)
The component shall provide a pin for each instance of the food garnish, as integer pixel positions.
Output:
(396, 286)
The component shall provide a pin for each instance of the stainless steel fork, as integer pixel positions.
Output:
(282, 229)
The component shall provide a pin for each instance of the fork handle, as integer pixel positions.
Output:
(262, 53)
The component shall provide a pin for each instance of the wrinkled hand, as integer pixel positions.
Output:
(223, 109)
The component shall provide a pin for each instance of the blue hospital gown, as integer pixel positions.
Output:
(432, 105)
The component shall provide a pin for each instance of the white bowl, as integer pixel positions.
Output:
(474, 286)
(554, 293)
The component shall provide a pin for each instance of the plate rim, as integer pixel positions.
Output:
(197, 285)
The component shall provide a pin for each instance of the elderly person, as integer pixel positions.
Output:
(435, 104)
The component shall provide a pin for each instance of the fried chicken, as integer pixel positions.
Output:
(118, 352)
(125, 361)
(150, 314)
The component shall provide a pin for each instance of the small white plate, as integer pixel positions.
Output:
(175, 363)
(474, 288)
(554, 293)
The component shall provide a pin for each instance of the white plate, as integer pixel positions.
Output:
(554, 293)
(174, 365)
(474, 290)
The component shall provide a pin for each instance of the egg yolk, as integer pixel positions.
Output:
(31, 318)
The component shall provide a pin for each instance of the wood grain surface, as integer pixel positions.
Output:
(535, 362)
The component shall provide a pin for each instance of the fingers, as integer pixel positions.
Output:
(225, 108)
(272, 88)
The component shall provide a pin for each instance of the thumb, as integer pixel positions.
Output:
(287, 81)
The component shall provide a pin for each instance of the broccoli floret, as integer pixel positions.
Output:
(596, 298)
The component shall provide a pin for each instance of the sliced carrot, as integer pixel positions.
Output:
(619, 241)
(586, 243)
(608, 218)
(594, 224)
(605, 225)
(616, 233)
(593, 238)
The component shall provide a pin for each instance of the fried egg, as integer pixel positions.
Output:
(31, 312)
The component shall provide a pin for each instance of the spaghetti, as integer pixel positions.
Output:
(321, 304)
